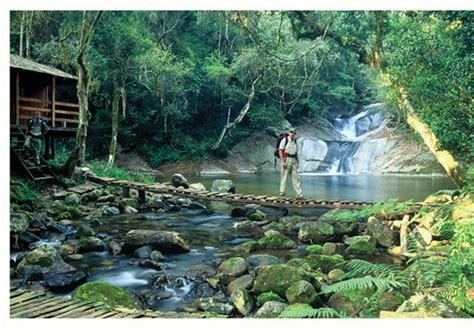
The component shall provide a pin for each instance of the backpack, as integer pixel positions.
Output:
(280, 138)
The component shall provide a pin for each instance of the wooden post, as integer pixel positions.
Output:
(17, 97)
(47, 145)
(53, 148)
(125, 192)
(53, 103)
(141, 196)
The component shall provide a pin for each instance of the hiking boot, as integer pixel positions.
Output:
(282, 194)
(300, 197)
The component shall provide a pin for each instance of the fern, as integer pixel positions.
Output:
(363, 283)
(313, 313)
(357, 267)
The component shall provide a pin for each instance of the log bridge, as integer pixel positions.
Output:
(271, 201)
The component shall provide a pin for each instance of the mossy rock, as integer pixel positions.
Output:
(325, 263)
(343, 221)
(256, 216)
(336, 275)
(301, 292)
(316, 232)
(90, 244)
(270, 309)
(278, 278)
(62, 211)
(360, 245)
(108, 294)
(428, 304)
(43, 260)
(234, 267)
(350, 301)
(18, 222)
(106, 198)
(291, 219)
(247, 247)
(274, 240)
(314, 249)
(85, 230)
(296, 262)
(242, 301)
(268, 296)
(294, 308)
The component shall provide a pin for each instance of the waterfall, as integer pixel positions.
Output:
(357, 140)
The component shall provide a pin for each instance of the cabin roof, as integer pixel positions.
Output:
(26, 64)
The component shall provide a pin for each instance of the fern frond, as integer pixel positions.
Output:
(363, 283)
(357, 267)
(313, 313)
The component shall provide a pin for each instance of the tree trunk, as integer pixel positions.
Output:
(29, 25)
(22, 33)
(78, 154)
(377, 51)
(115, 114)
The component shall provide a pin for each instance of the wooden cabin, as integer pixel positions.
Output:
(39, 87)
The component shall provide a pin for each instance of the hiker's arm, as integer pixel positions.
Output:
(282, 158)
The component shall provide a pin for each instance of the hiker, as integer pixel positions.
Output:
(288, 153)
(35, 132)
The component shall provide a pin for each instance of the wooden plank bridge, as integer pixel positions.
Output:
(272, 201)
(30, 304)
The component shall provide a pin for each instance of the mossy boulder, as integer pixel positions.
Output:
(164, 241)
(428, 304)
(293, 308)
(335, 275)
(247, 247)
(223, 185)
(262, 259)
(72, 199)
(324, 263)
(61, 211)
(390, 300)
(85, 230)
(213, 306)
(234, 267)
(463, 210)
(343, 221)
(268, 296)
(274, 240)
(316, 232)
(19, 222)
(360, 245)
(42, 261)
(245, 281)
(91, 244)
(242, 301)
(349, 301)
(256, 216)
(106, 198)
(107, 294)
(380, 232)
(301, 292)
(278, 278)
(314, 249)
(270, 309)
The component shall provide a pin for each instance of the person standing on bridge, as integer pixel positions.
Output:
(35, 132)
(288, 153)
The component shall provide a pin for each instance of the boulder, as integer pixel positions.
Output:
(380, 232)
(72, 199)
(85, 230)
(289, 309)
(242, 301)
(343, 221)
(197, 187)
(129, 210)
(110, 211)
(210, 305)
(262, 259)
(128, 201)
(278, 278)
(270, 309)
(247, 247)
(314, 249)
(274, 240)
(256, 216)
(335, 275)
(301, 292)
(42, 261)
(234, 267)
(65, 282)
(360, 245)
(164, 241)
(268, 296)
(18, 222)
(178, 180)
(157, 256)
(426, 303)
(223, 185)
(245, 281)
(106, 198)
(143, 252)
(107, 294)
(92, 244)
(351, 301)
(114, 248)
(324, 263)
(316, 232)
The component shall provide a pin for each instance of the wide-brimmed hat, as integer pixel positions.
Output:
(293, 130)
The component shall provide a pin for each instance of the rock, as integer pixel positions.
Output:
(301, 292)
(91, 244)
(245, 281)
(390, 300)
(107, 294)
(128, 201)
(423, 236)
(278, 278)
(178, 180)
(335, 275)
(210, 305)
(343, 221)
(296, 262)
(293, 220)
(85, 230)
(242, 301)
(351, 301)
(60, 195)
(274, 240)
(316, 232)
(110, 211)
(289, 309)
(69, 247)
(26, 238)
(157, 256)
(147, 263)
(248, 224)
(223, 185)
(380, 232)
(256, 216)
(324, 263)
(427, 220)
(72, 199)
(95, 221)
(268, 296)
(238, 212)
(65, 282)
(18, 222)
(114, 248)
(427, 304)
(234, 267)
(164, 241)
(75, 257)
(360, 245)
(438, 198)
(44, 260)
(247, 246)
(270, 309)
(129, 210)
(143, 252)
(329, 248)
(197, 187)
(314, 249)
(262, 259)
(106, 198)
(463, 209)
(395, 251)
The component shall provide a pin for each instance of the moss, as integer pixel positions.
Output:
(277, 279)
(325, 263)
(268, 296)
(247, 246)
(301, 292)
(296, 262)
(295, 307)
(276, 241)
(103, 292)
(361, 247)
(314, 249)
(257, 216)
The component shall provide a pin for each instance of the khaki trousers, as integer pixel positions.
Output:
(291, 169)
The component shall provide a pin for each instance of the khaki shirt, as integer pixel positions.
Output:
(289, 146)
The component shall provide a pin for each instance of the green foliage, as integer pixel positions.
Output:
(100, 169)
(358, 267)
(306, 312)
(23, 191)
(366, 282)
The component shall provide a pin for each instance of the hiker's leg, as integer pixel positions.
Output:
(284, 176)
(37, 149)
(295, 179)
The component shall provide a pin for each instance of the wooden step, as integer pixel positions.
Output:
(36, 167)
(44, 178)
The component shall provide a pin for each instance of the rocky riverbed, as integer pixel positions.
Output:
(170, 253)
